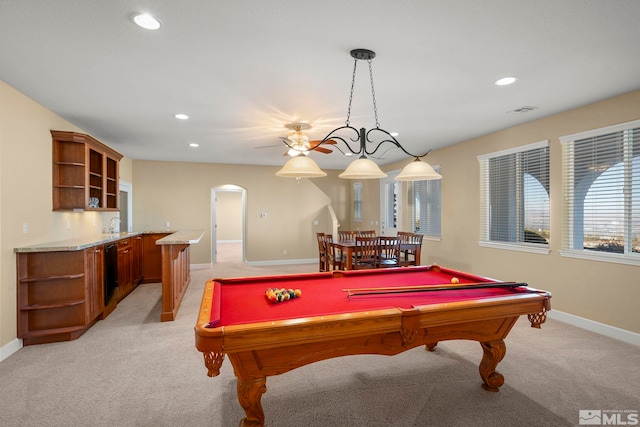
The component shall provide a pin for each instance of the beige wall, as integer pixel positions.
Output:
(600, 291)
(181, 194)
(26, 193)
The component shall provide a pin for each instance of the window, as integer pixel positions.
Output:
(601, 181)
(357, 201)
(514, 197)
(425, 209)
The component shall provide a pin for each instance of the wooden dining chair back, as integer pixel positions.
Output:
(410, 248)
(367, 233)
(347, 235)
(335, 257)
(388, 252)
(365, 253)
(322, 252)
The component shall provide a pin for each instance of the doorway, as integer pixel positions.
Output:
(228, 224)
(126, 220)
(390, 205)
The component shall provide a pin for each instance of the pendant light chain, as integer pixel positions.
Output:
(353, 82)
(373, 93)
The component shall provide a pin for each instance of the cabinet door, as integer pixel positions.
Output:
(124, 270)
(94, 282)
(136, 259)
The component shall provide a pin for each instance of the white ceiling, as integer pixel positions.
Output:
(242, 69)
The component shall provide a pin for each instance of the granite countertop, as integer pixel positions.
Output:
(181, 237)
(88, 241)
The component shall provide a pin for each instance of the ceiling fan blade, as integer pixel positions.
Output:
(322, 150)
(328, 141)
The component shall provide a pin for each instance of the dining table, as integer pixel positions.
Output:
(347, 247)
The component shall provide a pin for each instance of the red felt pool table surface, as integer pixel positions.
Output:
(243, 300)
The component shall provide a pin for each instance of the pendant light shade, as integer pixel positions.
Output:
(362, 168)
(301, 167)
(418, 171)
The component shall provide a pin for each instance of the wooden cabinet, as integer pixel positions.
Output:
(94, 285)
(85, 173)
(62, 293)
(129, 265)
(136, 259)
(125, 282)
(152, 258)
(58, 294)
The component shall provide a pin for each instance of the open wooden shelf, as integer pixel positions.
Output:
(84, 168)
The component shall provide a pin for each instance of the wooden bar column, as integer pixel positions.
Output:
(176, 273)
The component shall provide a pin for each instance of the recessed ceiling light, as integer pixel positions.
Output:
(194, 144)
(146, 21)
(505, 81)
(181, 116)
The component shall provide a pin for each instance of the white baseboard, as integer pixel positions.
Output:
(10, 348)
(283, 262)
(200, 266)
(597, 327)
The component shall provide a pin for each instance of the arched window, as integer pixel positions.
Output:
(514, 197)
(601, 174)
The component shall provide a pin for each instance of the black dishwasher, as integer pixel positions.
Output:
(110, 271)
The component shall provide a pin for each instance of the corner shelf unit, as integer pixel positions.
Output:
(84, 169)
(58, 294)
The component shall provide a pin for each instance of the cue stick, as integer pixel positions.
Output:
(428, 288)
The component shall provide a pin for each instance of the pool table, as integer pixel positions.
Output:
(339, 313)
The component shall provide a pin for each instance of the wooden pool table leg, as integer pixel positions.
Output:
(249, 394)
(493, 353)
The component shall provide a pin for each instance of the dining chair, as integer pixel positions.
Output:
(335, 257)
(365, 253)
(322, 253)
(347, 235)
(367, 233)
(410, 244)
(388, 252)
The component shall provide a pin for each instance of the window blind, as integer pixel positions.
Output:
(514, 195)
(426, 206)
(601, 184)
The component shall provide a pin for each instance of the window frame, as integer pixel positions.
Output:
(569, 209)
(485, 226)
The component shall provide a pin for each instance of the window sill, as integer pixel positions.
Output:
(602, 256)
(537, 249)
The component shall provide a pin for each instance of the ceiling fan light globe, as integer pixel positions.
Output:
(362, 168)
(301, 167)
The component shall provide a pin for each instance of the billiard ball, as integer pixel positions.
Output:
(455, 280)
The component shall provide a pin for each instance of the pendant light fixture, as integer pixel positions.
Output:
(363, 167)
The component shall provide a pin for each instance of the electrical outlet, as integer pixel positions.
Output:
(68, 225)
(285, 251)
(25, 228)
(167, 224)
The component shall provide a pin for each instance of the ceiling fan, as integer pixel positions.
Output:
(299, 143)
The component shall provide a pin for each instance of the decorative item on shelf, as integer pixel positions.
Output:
(94, 202)
(362, 168)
